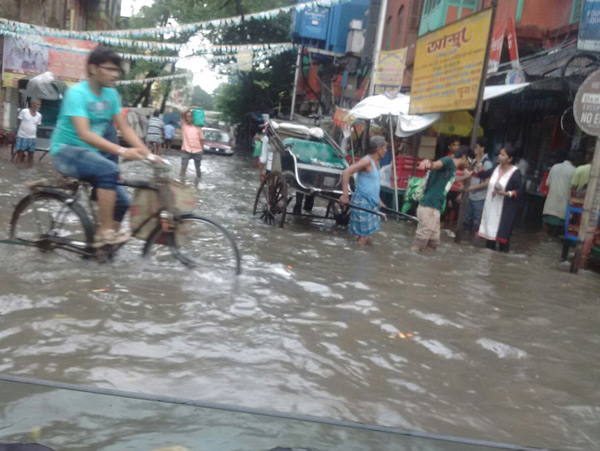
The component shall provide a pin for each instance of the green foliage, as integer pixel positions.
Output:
(258, 91)
(202, 98)
(261, 90)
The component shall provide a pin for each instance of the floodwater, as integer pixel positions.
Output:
(463, 342)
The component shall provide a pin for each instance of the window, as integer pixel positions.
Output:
(430, 5)
(576, 11)
(399, 41)
(388, 33)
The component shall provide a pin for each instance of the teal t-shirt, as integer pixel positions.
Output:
(81, 101)
(439, 184)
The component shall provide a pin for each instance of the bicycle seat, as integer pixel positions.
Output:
(64, 183)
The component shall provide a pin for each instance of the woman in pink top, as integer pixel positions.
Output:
(192, 145)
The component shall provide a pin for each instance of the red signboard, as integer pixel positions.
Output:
(501, 29)
(24, 58)
(496, 47)
(511, 36)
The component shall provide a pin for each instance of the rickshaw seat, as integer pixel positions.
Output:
(307, 151)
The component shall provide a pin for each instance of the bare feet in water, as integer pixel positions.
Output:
(362, 240)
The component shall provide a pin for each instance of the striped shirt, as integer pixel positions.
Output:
(154, 132)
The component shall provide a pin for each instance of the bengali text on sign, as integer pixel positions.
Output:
(389, 72)
(448, 66)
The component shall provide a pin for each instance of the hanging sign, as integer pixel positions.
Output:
(500, 30)
(589, 27)
(496, 47)
(449, 65)
(341, 117)
(389, 71)
(244, 60)
(513, 49)
(23, 58)
(586, 108)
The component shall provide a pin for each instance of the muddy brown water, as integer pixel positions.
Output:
(503, 347)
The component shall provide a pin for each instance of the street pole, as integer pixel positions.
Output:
(298, 62)
(394, 172)
(476, 122)
(589, 217)
(378, 39)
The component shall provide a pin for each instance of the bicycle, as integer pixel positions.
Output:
(53, 218)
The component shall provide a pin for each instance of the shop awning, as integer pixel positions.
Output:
(374, 107)
(492, 92)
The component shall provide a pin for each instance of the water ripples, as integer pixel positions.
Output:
(464, 342)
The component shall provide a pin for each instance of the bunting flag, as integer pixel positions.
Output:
(231, 49)
(23, 28)
(207, 50)
(117, 42)
(126, 56)
(228, 58)
(153, 79)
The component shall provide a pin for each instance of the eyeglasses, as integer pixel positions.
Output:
(114, 70)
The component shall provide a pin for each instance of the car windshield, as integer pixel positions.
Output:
(215, 135)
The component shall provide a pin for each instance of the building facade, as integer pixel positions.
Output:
(536, 120)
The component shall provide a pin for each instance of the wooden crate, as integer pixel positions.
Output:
(427, 147)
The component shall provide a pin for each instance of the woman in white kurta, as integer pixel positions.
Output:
(504, 193)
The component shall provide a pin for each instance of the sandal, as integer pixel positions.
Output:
(110, 238)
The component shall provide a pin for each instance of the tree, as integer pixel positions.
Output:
(265, 89)
(202, 98)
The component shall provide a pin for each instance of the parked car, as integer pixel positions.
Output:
(217, 142)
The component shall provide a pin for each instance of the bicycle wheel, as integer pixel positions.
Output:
(52, 221)
(197, 243)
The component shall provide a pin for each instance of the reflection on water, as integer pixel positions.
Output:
(463, 342)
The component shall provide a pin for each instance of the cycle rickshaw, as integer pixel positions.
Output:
(306, 164)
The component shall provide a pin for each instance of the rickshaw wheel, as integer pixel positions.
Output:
(271, 200)
(337, 213)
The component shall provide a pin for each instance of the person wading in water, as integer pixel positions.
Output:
(366, 195)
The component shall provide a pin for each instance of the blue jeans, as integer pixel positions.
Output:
(123, 200)
(473, 214)
(93, 167)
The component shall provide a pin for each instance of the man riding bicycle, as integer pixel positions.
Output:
(87, 110)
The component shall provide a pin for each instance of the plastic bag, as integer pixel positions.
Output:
(198, 114)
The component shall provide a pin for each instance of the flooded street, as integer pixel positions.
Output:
(464, 342)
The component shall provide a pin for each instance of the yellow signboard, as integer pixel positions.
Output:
(390, 71)
(244, 60)
(448, 66)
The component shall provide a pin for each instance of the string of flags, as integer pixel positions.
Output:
(65, 48)
(105, 35)
(153, 79)
(228, 49)
(205, 51)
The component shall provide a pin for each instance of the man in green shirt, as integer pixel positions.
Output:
(432, 202)
(581, 177)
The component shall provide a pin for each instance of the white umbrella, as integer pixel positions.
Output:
(374, 107)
